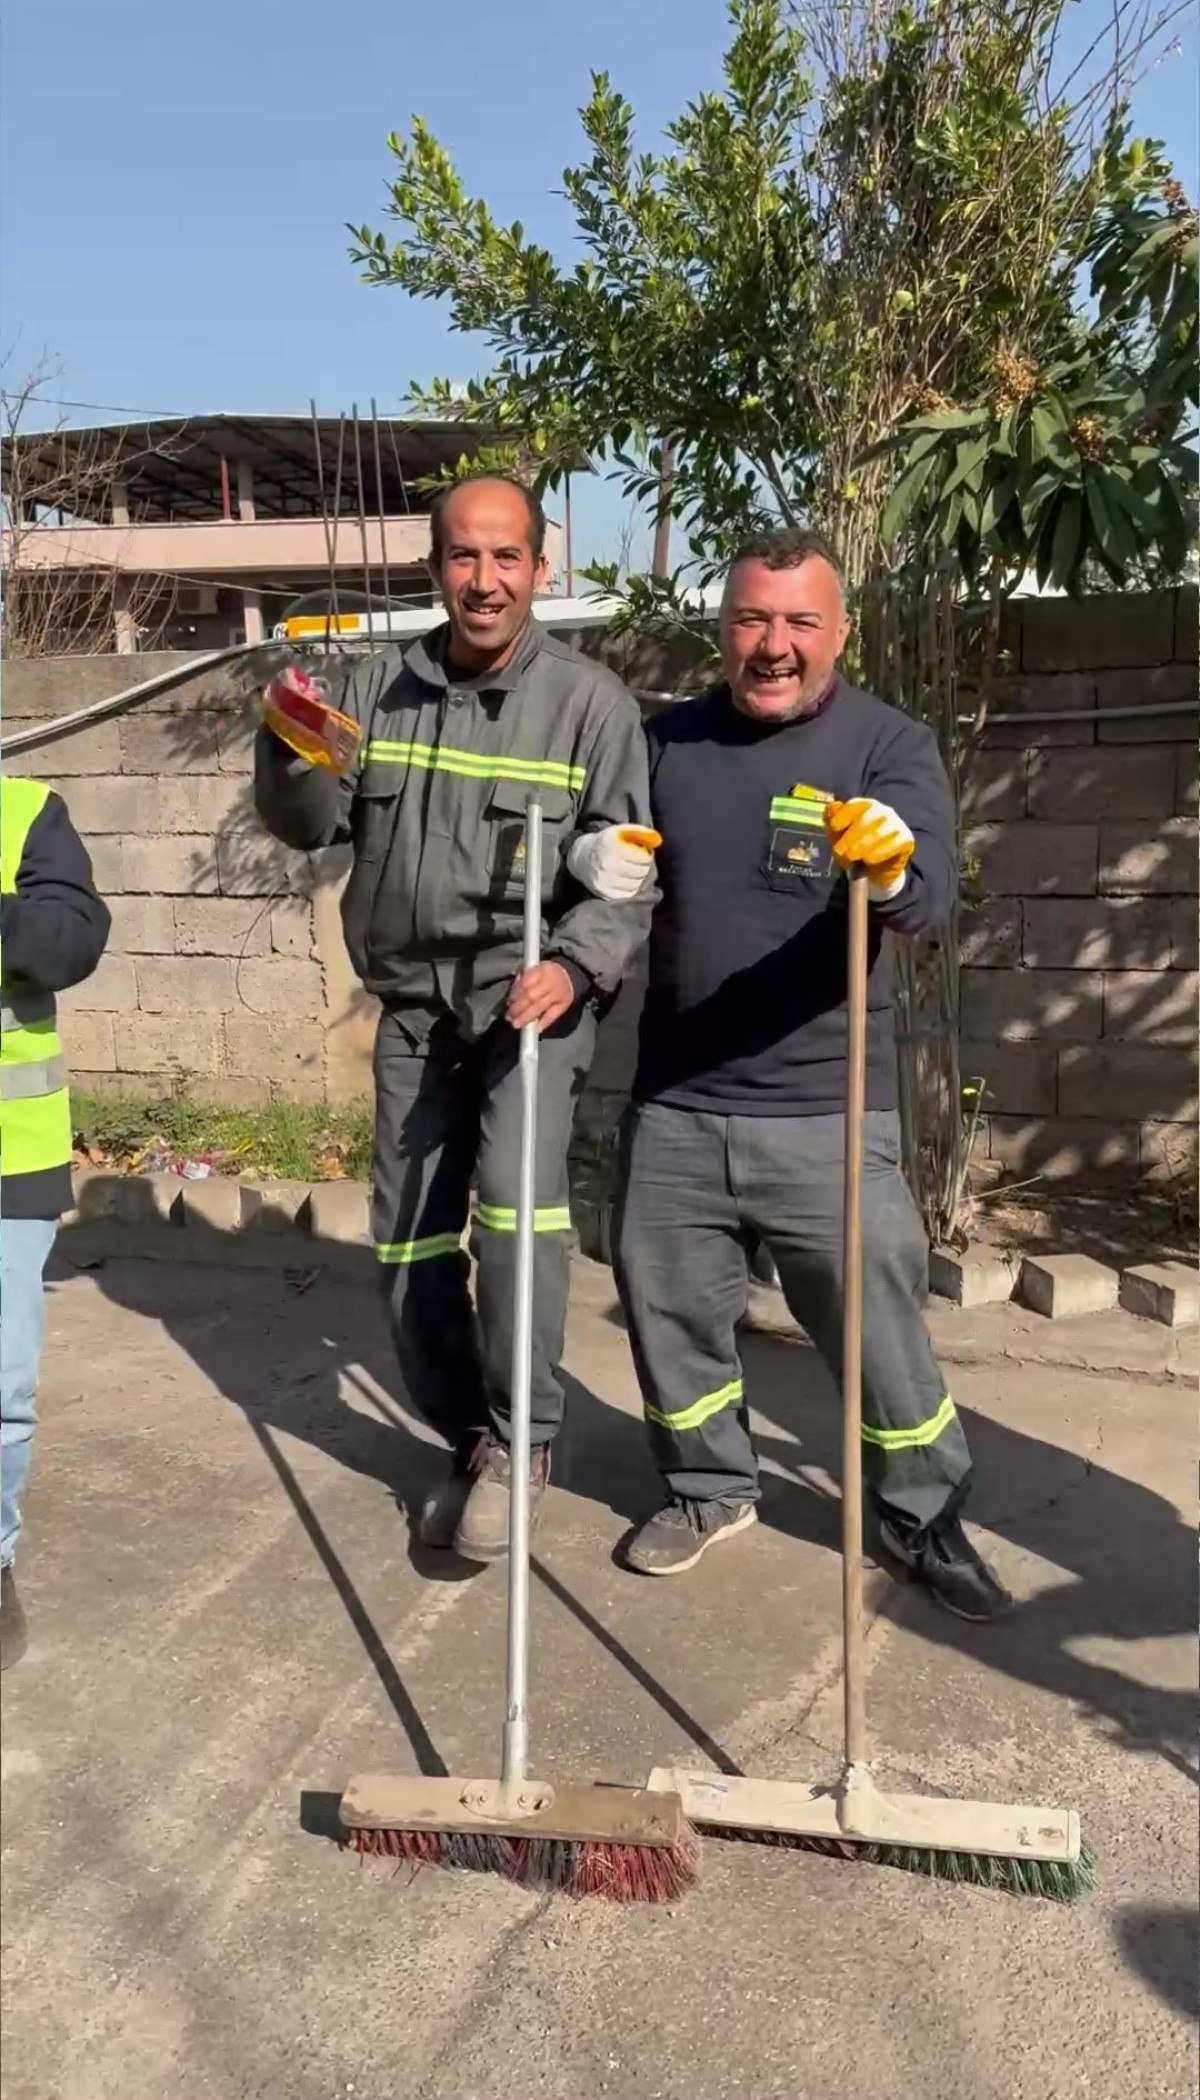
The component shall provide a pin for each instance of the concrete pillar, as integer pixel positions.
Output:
(252, 603)
(120, 503)
(245, 489)
(124, 624)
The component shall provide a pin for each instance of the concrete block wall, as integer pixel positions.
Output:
(225, 971)
(1079, 984)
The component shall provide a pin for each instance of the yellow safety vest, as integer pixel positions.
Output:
(35, 1107)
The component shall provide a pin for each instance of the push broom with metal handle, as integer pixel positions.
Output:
(1031, 1851)
(625, 1843)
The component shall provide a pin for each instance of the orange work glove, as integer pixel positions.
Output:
(869, 835)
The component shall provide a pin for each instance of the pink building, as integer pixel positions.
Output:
(204, 533)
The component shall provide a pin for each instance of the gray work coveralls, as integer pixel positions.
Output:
(432, 914)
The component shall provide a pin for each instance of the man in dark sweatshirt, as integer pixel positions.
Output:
(53, 928)
(765, 791)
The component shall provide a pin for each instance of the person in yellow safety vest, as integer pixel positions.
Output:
(53, 930)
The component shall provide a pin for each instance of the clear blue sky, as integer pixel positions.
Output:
(175, 180)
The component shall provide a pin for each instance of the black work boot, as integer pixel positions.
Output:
(14, 1633)
(675, 1538)
(941, 1557)
(482, 1530)
(445, 1501)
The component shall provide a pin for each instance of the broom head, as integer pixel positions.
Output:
(628, 1844)
(1029, 1851)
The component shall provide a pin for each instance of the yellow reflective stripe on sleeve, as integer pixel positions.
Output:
(400, 1253)
(918, 1436)
(493, 1218)
(475, 765)
(699, 1411)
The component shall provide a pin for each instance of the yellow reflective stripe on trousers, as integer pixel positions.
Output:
(400, 1253)
(920, 1434)
(475, 765)
(699, 1411)
(495, 1219)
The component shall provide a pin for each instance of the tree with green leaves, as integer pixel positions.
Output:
(883, 216)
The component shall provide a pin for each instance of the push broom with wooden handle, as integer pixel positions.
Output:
(1030, 1851)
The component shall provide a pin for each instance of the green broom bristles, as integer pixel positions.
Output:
(1056, 1881)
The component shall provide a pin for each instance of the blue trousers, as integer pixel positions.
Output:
(25, 1245)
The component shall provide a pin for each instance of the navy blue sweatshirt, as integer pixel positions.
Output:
(745, 1012)
(53, 932)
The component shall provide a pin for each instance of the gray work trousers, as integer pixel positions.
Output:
(698, 1190)
(447, 1114)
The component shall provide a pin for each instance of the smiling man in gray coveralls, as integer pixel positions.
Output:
(454, 735)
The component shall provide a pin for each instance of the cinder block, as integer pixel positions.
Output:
(980, 1275)
(214, 1203)
(1019, 1006)
(1060, 1150)
(1167, 1291)
(286, 1057)
(1101, 933)
(1187, 780)
(235, 741)
(1169, 1153)
(96, 1191)
(180, 867)
(1113, 630)
(162, 744)
(1152, 1006)
(1064, 695)
(200, 802)
(87, 1039)
(273, 1206)
(143, 926)
(252, 865)
(1117, 1081)
(94, 750)
(1169, 685)
(1018, 1078)
(149, 1199)
(152, 1044)
(1157, 858)
(292, 928)
(107, 856)
(1182, 918)
(221, 926)
(186, 984)
(111, 989)
(1067, 1286)
(111, 802)
(993, 786)
(1029, 859)
(1072, 787)
(339, 1210)
(281, 985)
(990, 934)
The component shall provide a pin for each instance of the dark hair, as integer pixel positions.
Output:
(786, 548)
(536, 515)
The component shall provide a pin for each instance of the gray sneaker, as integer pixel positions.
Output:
(673, 1540)
(14, 1633)
(482, 1531)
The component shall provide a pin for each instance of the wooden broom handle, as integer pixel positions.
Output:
(852, 1313)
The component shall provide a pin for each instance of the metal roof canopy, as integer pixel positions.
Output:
(172, 468)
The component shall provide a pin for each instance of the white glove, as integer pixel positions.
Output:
(611, 863)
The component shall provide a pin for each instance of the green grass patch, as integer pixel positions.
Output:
(290, 1140)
